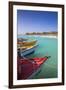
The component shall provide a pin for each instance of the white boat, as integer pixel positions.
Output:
(27, 51)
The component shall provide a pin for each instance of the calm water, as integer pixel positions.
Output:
(46, 47)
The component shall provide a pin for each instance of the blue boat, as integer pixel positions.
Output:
(27, 51)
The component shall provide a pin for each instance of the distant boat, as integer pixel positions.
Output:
(26, 51)
(21, 39)
(27, 68)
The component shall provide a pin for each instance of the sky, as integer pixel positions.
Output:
(36, 21)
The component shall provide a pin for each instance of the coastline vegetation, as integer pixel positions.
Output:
(42, 33)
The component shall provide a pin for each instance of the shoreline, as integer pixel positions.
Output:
(49, 36)
(46, 36)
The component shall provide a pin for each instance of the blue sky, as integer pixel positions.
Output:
(36, 21)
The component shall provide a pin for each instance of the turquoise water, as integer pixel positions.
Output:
(46, 47)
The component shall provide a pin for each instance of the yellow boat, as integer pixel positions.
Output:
(27, 44)
(25, 47)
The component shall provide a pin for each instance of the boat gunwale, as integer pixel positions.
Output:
(29, 48)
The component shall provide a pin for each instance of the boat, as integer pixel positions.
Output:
(26, 43)
(21, 39)
(27, 68)
(26, 51)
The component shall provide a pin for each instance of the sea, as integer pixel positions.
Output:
(46, 47)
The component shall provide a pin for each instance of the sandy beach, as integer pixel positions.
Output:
(48, 36)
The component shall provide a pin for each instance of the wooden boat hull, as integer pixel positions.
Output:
(27, 68)
(28, 51)
(21, 40)
(31, 43)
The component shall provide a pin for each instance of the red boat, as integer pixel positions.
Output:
(27, 68)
